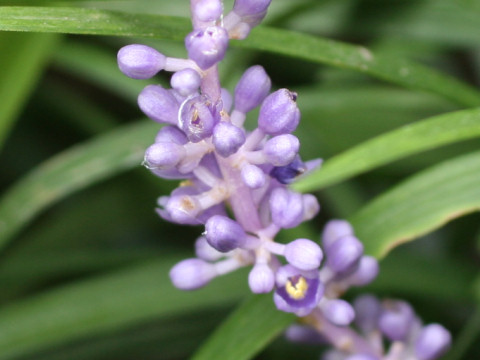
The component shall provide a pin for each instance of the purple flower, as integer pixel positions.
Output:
(298, 291)
(197, 118)
(227, 138)
(396, 320)
(158, 104)
(433, 341)
(344, 254)
(261, 279)
(279, 113)
(224, 234)
(191, 274)
(252, 88)
(286, 208)
(207, 46)
(186, 81)
(339, 312)
(304, 254)
(140, 61)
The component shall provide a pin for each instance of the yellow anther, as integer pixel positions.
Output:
(297, 290)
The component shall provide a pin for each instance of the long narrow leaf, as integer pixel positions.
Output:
(22, 60)
(419, 205)
(100, 305)
(103, 22)
(245, 332)
(72, 170)
(407, 140)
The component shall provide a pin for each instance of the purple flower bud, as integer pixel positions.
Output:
(227, 138)
(226, 99)
(252, 88)
(311, 207)
(304, 254)
(281, 150)
(186, 81)
(191, 274)
(163, 155)
(279, 113)
(208, 10)
(205, 251)
(224, 234)
(304, 334)
(362, 357)
(288, 173)
(286, 208)
(253, 176)
(261, 279)
(366, 272)
(140, 61)
(396, 320)
(183, 209)
(198, 117)
(250, 7)
(171, 134)
(297, 291)
(158, 104)
(334, 230)
(207, 46)
(434, 340)
(339, 312)
(367, 311)
(344, 254)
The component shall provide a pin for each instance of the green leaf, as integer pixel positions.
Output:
(420, 204)
(72, 170)
(111, 302)
(246, 331)
(315, 49)
(407, 140)
(22, 61)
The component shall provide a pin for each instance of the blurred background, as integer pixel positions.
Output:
(95, 253)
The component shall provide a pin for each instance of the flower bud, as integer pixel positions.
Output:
(163, 155)
(288, 173)
(433, 341)
(279, 113)
(281, 150)
(226, 99)
(158, 104)
(367, 311)
(207, 46)
(208, 10)
(191, 274)
(204, 251)
(253, 176)
(252, 88)
(183, 209)
(344, 254)
(311, 207)
(286, 208)
(396, 320)
(339, 312)
(186, 81)
(227, 138)
(140, 61)
(304, 334)
(224, 234)
(334, 230)
(171, 133)
(366, 272)
(362, 357)
(304, 254)
(261, 279)
(198, 117)
(250, 7)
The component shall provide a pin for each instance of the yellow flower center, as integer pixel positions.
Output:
(297, 288)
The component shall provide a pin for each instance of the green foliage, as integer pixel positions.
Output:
(389, 98)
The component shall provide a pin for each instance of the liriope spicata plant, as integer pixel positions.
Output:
(239, 96)
(225, 167)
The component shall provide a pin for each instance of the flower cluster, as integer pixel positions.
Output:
(235, 180)
(378, 323)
